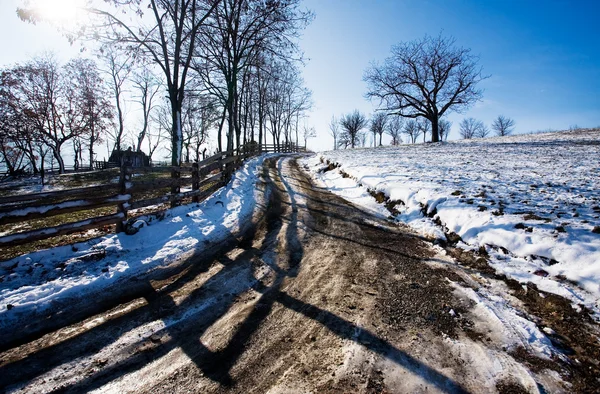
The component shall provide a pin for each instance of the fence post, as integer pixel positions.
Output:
(195, 181)
(124, 178)
(227, 171)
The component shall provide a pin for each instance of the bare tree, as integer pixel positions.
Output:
(426, 78)
(378, 126)
(39, 87)
(147, 86)
(352, 124)
(344, 140)
(424, 127)
(394, 130)
(471, 128)
(118, 69)
(308, 132)
(503, 125)
(20, 140)
(362, 139)
(89, 93)
(235, 37)
(481, 130)
(412, 130)
(334, 131)
(163, 31)
(444, 129)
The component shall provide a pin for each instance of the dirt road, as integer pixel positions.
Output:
(316, 296)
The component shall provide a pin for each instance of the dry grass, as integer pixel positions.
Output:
(79, 180)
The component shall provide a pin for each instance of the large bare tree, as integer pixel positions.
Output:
(42, 98)
(426, 78)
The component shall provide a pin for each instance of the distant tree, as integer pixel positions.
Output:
(481, 130)
(503, 125)
(424, 127)
(411, 129)
(344, 140)
(362, 139)
(308, 132)
(445, 126)
(146, 86)
(334, 131)
(42, 100)
(426, 78)
(394, 129)
(19, 140)
(471, 128)
(88, 91)
(194, 132)
(117, 68)
(352, 124)
(378, 126)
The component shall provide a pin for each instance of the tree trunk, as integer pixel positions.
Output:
(220, 132)
(176, 135)
(92, 153)
(176, 144)
(230, 129)
(59, 159)
(435, 136)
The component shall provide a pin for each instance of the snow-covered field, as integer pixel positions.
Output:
(533, 201)
(32, 283)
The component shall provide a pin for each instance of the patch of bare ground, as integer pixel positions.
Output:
(573, 332)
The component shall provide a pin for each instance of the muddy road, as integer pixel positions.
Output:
(315, 296)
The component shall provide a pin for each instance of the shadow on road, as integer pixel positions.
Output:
(186, 321)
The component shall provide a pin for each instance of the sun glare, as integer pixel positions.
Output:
(60, 11)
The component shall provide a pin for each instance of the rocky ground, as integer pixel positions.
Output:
(315, 296)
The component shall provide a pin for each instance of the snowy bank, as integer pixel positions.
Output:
(533, 201)
(32, 284)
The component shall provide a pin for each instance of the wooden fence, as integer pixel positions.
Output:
(205, 178)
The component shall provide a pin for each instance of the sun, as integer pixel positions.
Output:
(63, 12)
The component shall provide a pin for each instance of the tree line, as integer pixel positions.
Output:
(231, 67)
(351, 130)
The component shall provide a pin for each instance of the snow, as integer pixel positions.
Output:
(504, 321)
(63, 205)
(531, 201)
(33, 283)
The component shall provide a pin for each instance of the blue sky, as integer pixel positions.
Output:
(543, 56)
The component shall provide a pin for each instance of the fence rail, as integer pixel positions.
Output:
(204, 177)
